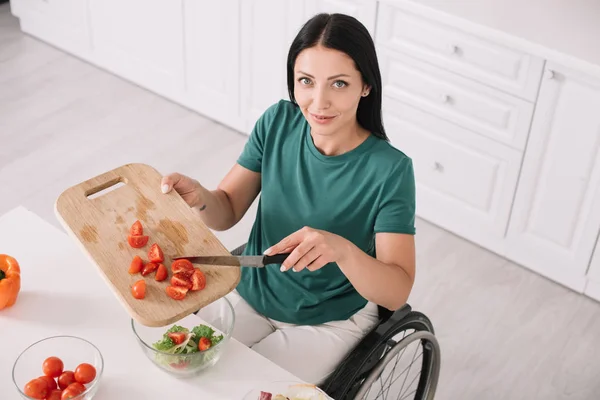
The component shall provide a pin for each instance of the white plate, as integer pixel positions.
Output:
(291, 390)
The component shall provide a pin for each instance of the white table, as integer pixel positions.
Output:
(62, 293)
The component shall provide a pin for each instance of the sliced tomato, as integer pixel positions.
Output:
(198, 280)
(149, 268)
(137, 242)
(177, 337)
(161, 273)
(65, 379)
(136, 265)
(55, 394)
(136, 229)
(182, 280)
(138, 290)
(176, 292)
(180, 365)
(182, 266)
(155, 254)
(204, 343)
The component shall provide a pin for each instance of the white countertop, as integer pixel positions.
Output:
(63, 294)
(571, 27)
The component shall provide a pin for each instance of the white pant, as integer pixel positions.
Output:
(309, 352)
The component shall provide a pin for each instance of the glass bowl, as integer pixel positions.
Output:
(289, 390)
(219, 315)
(71, 350)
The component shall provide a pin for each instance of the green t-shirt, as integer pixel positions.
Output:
(367, 190)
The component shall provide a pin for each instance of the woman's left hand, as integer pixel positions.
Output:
(310, 248)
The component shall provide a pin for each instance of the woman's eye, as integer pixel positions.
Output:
(339, 84)
(304, 81)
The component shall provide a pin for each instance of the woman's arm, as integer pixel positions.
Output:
(386, 280)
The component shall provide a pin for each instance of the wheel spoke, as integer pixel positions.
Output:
(413, 392)
(409, 367)
(381, 391)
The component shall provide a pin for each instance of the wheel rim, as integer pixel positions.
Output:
(408, 369)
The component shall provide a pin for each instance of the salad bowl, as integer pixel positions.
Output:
(190, 345)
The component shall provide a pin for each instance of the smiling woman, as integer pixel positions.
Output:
(334, 193)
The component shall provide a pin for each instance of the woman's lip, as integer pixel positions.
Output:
(322, 116)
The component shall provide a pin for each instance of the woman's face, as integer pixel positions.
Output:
(328, 88)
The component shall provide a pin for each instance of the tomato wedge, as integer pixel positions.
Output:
(182, 266)
(204, 343)
(136, 229)
(136, 265)
(198, 280)
(138, 290)
(137, 242)
(161, 273)
(177, 337)
(155, 254)
(149, 268)
(176, 292)
(182, 280)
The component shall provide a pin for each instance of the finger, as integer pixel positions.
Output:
(286, 243)
(307, 259)
(168, 182)
(318, 263)
(300, 251)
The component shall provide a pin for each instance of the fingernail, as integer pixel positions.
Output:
(267, 251)
(282, 269)
(165, 188)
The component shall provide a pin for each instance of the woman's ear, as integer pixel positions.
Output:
(366, 90)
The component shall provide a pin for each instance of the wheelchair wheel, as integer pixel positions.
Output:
(403, 365)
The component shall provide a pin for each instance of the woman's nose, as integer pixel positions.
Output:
(321, 99)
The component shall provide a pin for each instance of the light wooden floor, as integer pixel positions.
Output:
(505, 332)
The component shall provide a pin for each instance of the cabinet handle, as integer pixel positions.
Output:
(551, 74)
(438, 167)
(453, 49)
(445, 98)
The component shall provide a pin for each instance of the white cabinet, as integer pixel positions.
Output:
(556, 212)
(268, 27)
(142, 41)
(592, 288)
(363, 10)
(212, 54)
(62, 23)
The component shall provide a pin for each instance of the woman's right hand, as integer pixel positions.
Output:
(189, 189)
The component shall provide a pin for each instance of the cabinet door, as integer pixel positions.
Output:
(556, 214)
(62, 23)
(212, 38)
(593, 277)
(141, 41)
(363, 10)
(268, 29)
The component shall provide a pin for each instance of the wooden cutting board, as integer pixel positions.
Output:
(98, 214)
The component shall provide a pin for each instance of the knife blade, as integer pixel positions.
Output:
(237, 261)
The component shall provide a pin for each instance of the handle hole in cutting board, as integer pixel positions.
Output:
(105, 188)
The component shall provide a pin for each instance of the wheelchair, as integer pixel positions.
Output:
(376, 369)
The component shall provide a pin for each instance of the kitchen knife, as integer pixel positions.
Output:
(237, 261)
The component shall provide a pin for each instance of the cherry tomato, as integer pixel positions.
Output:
(161, 273)
(50, 382)
(198, 280)
(204, 343)
(138, 290)
(182, 280)
(182, 266)
(53, 367)
(136, 265)
(36, 388)
(137, 242)
(73, 390)
(136, 229)
(85, 373)
(155, 254)
(55, 394)
(177, 337)
(149, 267)
(176, 292)
(65, 379)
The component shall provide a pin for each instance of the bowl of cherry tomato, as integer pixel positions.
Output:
(58, 368)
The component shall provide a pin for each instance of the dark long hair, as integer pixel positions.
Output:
(344, 33)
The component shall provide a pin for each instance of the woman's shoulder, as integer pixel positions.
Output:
(386, 155)
(283, 110)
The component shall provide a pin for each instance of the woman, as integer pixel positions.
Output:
(334, 193)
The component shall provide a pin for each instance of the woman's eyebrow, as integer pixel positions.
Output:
(330, 78)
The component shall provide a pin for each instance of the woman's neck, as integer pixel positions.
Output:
(340, 142)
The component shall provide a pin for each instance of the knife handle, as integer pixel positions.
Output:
(275, 259)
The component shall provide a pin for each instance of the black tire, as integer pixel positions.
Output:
(369, 359)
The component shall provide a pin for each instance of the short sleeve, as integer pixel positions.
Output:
(252, 154)
(396, 213)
